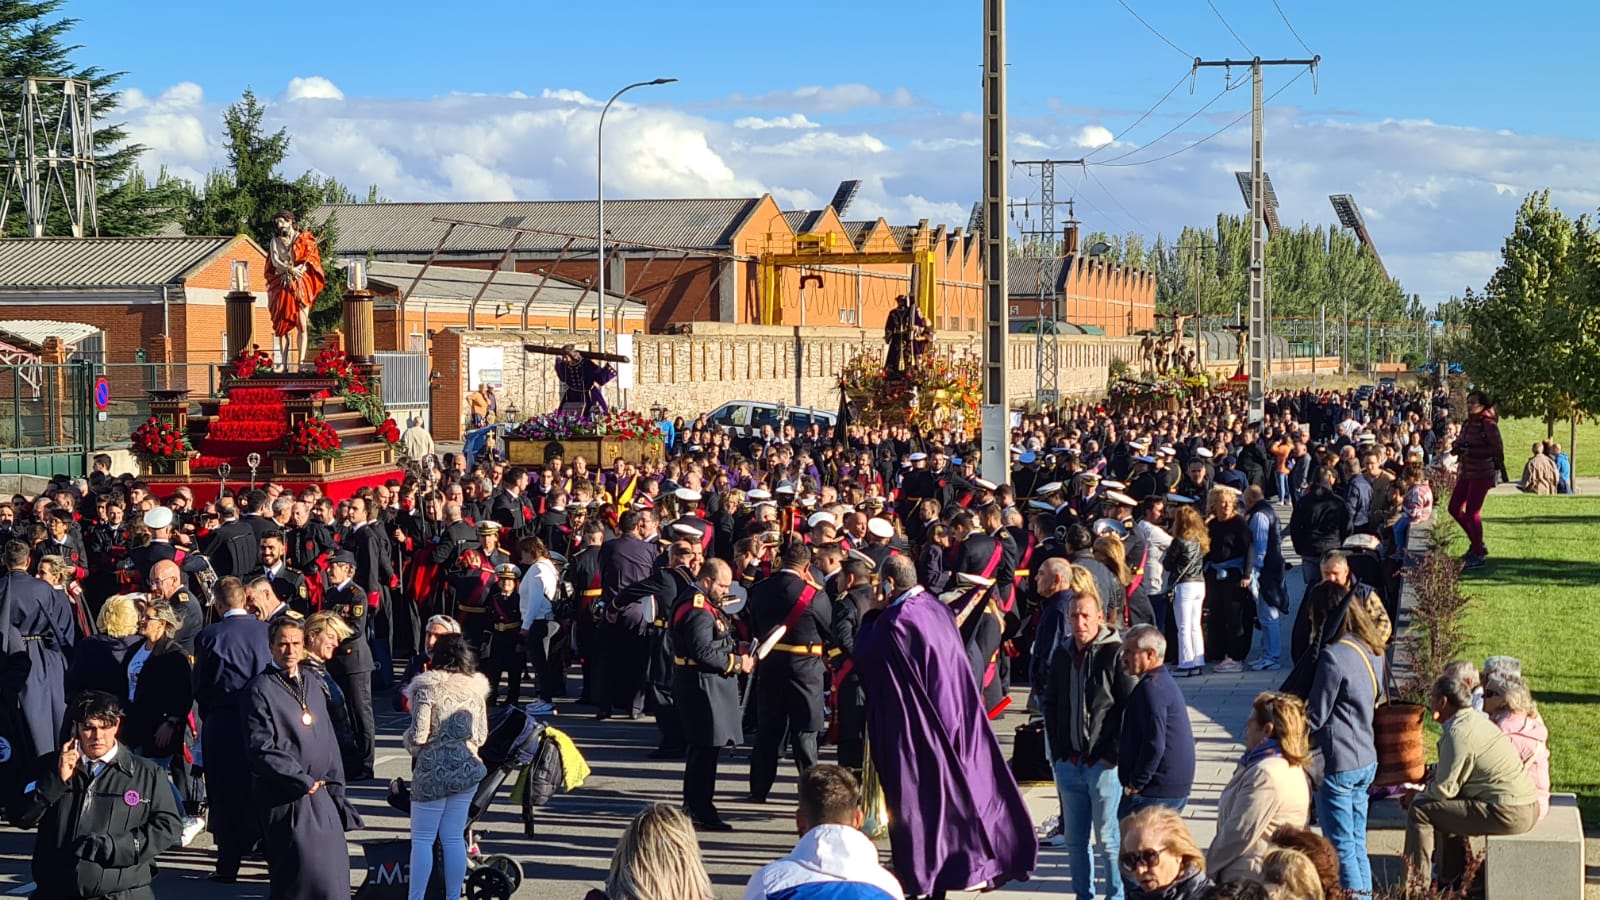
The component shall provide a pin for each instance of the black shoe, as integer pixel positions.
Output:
(711, 825)
(667, 753)
(223, 878)
(603, 715)
(755, 798)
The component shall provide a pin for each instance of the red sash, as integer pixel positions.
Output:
(800, 606)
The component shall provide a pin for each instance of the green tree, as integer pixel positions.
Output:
(32, 43)
(244, 198)
(1531, 339)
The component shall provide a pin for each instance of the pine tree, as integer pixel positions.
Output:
(244, 198)
(32, 43)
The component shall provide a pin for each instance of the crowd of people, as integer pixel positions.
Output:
(866, 589)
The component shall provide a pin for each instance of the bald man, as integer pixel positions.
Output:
(167, 583)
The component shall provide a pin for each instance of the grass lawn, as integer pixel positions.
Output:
(1519, 434)
(1538, 599)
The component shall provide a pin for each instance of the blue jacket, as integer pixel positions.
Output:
(1339, 709)
(1155, 753)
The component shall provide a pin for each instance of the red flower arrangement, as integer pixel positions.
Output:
(250, 363)
(389, 431)
(158, 439)
(336, 364)
(313, 438)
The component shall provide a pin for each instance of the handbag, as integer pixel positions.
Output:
(1396, 733)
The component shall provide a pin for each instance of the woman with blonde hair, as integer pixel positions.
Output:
(1290, 875)
(1159, 858)
(100, 662)
(325, 632)
(657, 858)
(1184, 563)
(1268, 790)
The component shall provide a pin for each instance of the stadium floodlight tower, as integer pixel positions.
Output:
(1349, 213)
(1271, 210)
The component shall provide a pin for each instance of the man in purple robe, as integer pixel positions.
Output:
(582, 380)
(957, 820)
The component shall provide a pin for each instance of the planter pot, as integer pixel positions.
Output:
(1397, 729)
(295, 465)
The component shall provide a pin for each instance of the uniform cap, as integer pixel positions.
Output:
(686, 530)
(1027, 456)
(984, 483)
(343, 556)
(1120, 497)
(1050, 488)
(1111, 485)
(688, 495)
(1145, 458)
(817, 518)
(1179, 498)
(160, 517)
(917, 457)
(758, 494)
(488, 526)
(508, 570)
(880, 528)
(1203, 453)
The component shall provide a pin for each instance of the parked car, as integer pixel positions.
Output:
(1432, 368)
(1365, 392)
(744, 418)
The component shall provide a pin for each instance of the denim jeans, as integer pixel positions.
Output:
(1133, 804)
(1089, 797)
(1342, 810)
(444, 819)
(1267, 615)
(1283, 488)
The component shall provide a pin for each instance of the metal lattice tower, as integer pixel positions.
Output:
(47, 128)
(1047, 342)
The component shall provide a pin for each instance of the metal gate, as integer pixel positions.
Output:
(47, 418)
(405, 384)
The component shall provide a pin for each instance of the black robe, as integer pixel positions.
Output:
(304, 833)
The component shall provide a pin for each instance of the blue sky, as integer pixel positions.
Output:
(1436, 119)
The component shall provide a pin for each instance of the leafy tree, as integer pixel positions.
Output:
(32, 43)
(1532, 340)
(244, 198)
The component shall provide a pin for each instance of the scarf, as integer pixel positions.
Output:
(1267, 749)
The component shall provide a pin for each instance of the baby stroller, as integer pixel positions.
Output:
(517, 743)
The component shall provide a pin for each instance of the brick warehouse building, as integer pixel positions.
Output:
(687, 260)
(1084, 290)
(131, 291)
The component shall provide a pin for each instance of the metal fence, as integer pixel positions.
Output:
(47, 422)
(405, 383)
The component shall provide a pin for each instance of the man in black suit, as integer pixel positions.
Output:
(257, 514)
(624, 562)
(374, 572)
(159, 521)
(511, 506)
(235, 548)
(227, 655)
(288, 585)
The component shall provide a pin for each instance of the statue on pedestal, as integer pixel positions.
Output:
(582, 380)
(294, 279)
(1241, 334)
(908, 336)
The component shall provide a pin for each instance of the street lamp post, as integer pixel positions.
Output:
(600, 202)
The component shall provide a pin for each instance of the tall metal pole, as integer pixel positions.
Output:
(996, 421)
(600, 207)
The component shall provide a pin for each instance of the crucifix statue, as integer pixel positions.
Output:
(294, 279)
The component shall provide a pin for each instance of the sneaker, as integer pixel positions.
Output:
(1265, 664)
(1472, 561)
(192, 826)
(1228, 666)
(1050, 833)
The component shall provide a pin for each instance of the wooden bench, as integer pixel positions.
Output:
(1546, 862)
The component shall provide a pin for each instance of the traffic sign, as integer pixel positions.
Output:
(102, 393)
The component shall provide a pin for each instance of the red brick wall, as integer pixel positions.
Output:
(448, 361)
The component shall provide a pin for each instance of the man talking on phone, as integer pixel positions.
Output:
(103, 813)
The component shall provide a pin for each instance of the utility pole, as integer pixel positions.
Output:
(1258, 223)
(996, 328)
(1046, 342)
(1196, 257)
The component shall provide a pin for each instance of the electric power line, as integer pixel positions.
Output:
(1145, 115)
(1227, 86)
(1118, 203)
(1286, 23)
(1242, 116)
(1152, 28)
(1225, 24)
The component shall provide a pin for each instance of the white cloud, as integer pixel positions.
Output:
(313, 87)
(798, 120)
(1092, 136)
(1438, 198)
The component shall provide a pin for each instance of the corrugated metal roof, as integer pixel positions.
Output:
(409, 227)
(1025, 275)
(31, 333)
(458, 283)
(857, 230)
(103, 262)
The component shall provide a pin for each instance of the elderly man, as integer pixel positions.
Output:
(1540, 475)
(1479, 787)
(1155, 750)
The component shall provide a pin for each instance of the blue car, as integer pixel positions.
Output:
(1432, 368)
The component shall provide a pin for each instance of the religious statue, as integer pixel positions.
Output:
(294, 279)
(582, 380)
(908, 336)
(1241, 334)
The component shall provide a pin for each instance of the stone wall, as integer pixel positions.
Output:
(695, 372)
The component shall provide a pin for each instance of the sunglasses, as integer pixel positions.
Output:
(1133, 860)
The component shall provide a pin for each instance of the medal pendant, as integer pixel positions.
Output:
(305, 719)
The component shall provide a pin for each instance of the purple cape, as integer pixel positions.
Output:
(956, 816)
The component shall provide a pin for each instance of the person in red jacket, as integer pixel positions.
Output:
(1482, 458)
